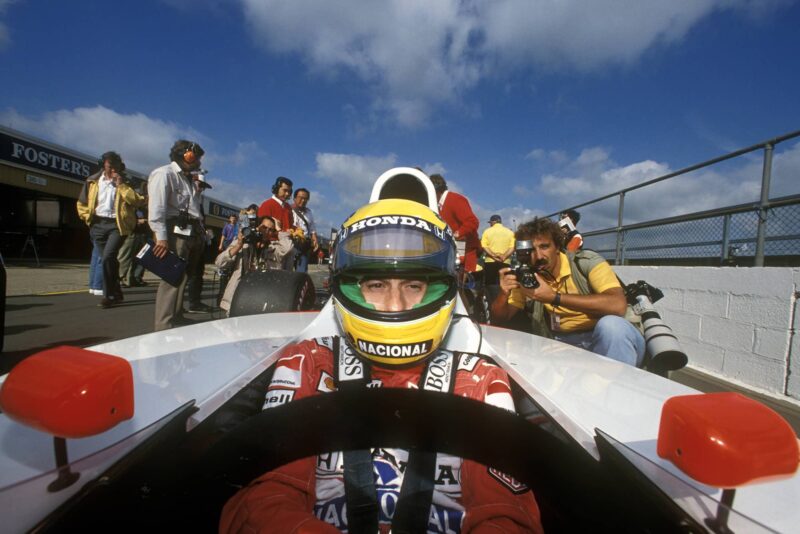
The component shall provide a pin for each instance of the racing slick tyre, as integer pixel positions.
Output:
(272, 292)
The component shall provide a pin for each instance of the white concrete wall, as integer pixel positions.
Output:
(734, 323)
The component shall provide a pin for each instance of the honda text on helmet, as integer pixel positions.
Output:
(395, 239)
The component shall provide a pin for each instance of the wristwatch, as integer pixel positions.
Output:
(557, 300)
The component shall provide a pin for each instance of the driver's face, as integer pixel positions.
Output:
(393, 294)
(544, 252)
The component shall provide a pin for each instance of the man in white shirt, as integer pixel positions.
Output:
(304, 220)
(175, 216)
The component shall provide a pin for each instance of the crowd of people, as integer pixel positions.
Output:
(274, 235)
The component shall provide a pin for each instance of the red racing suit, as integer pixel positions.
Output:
(308, 495)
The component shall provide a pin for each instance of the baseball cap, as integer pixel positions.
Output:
(495, 218)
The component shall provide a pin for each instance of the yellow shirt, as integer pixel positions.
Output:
(601, 278)
(498, 239)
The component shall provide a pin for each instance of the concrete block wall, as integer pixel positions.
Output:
(734, 323)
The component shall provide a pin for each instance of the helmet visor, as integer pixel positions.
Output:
(400, 249)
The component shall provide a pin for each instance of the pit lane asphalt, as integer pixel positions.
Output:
(50, 305)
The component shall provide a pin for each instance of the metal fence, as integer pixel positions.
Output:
(765, 231)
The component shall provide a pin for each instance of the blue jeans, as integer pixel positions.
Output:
(96, 269)
(613, 337)
(302, 261)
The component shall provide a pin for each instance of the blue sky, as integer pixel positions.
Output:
(526, 106)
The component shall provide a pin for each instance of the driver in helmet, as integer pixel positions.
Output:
(394, 292)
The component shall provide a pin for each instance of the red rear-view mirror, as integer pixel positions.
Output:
(69, 392)
(726, 439)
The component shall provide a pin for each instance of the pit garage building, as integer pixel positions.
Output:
(39, 185)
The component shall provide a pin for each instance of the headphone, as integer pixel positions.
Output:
(280, 180)
(189, 156)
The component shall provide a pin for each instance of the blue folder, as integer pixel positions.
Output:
(170, 268)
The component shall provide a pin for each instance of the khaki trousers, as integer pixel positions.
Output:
(169, 299)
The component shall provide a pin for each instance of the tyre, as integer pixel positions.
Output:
(273, 292)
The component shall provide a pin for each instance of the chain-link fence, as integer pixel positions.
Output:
(763, 232)
(727, 237)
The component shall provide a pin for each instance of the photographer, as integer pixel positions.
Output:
(591, 318)
(254, 249)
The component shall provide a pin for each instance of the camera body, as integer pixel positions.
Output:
(249, 227)
(182, 220)
(525, 275)
(521, 267)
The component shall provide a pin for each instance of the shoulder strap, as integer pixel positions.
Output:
(301, 216)
(359, 483)
(581, 263)
(416, 494)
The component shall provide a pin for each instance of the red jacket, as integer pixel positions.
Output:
(308, 495)
(457, 213)
(279, 210)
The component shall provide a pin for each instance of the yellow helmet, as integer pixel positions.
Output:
(394, 238)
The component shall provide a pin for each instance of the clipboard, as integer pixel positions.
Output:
(170, 268)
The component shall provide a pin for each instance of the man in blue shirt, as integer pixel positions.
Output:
(229, 233)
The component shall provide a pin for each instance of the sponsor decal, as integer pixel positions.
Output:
(499, 394)
(278, 397)
(326, 383)
(399, 350)
(350, 365)
(388, 470)
(21, 151)
(288, 372)
(439, 373)
(329, 462)
(467, 362)
(516, 487)
(326, 342)
(396, 220)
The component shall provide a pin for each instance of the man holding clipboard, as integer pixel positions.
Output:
(174, 215)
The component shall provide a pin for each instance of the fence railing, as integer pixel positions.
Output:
(765, 227)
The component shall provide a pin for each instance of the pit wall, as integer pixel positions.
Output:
(737, 324)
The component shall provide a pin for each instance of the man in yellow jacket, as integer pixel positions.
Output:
(107, 204)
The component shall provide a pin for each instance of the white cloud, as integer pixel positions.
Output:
(593, 173)
(351, 175)
(144, 142)
(417, 55)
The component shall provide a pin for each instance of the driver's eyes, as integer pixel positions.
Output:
(374, 287)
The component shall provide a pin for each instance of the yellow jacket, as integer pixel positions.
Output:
(126, 201)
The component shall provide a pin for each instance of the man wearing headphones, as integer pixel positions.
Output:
(394, 293)
(174, 215)
(279, 209)
(107, 204)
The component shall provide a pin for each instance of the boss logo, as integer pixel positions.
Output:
(439, 373)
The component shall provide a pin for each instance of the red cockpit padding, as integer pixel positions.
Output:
(69, 392)
(726, 439)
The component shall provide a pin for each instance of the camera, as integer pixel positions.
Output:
(521, 267)
(525, 275)
(662, 346)
(182, 220)
(249, 226)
